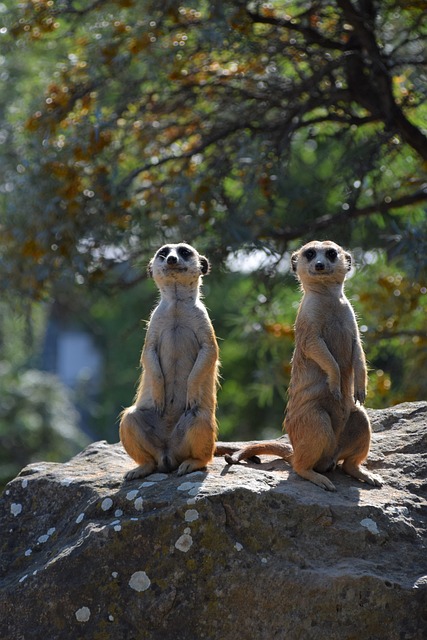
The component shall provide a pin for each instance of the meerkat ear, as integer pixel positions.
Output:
(348, 259)
(204, 265)
(294, 260)
(150, 269)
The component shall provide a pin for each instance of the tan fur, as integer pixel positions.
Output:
(172, 424)
(325, 421)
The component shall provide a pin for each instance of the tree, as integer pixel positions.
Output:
(236, 122)
(37, 421)
(230, 124)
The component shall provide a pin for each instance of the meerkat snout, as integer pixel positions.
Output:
(172, 259)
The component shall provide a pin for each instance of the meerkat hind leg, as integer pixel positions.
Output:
(354, 448)
(189, 465)
(314, 445)
(193, 440)
(356, 471)
(317, 478)
(137, 435)
(141, 471)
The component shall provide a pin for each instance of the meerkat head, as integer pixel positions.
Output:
(178, 263)
(321, 261)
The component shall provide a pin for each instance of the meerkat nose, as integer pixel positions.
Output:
(172, 260)
(319, 266)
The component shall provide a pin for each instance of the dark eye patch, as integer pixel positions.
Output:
(310, 254)
(162, 253)
(331, 254)
(184, 252)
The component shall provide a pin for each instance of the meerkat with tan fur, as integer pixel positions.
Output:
(172, 423)
(325, 419)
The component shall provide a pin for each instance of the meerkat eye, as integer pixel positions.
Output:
(184, 252)
(310, 254)
(331, 254)
(162, 253)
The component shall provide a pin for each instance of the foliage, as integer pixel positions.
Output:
(232, 122)
(393, 309)
(233, 125)
(37, 421)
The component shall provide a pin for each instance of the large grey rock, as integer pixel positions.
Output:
(235, 552)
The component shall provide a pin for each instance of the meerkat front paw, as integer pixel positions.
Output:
(360, 395)
(191, 406)
(334, 384)
(159, 403)
(193, 400)
(336, 392)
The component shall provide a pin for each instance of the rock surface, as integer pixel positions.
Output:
(248, 551)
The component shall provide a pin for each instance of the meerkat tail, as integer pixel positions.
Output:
(267, 448)
(227, 448)
(221, 448)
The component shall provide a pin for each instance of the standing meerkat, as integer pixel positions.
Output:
(172, 423)
(325, 420)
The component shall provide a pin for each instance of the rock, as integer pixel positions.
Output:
(247, 551)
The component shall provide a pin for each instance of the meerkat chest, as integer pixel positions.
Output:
(339, 336)
(178, 336)
(332, 319)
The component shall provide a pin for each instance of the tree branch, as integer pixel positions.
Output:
(371, 84)
(312, 36)
(292, 233)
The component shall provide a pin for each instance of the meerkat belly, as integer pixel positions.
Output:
(178, 353)
(339, 341)
(309, 380)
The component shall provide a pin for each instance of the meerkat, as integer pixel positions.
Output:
(172, 423)
(325, 420)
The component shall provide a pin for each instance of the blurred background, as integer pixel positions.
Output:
(244, 128)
